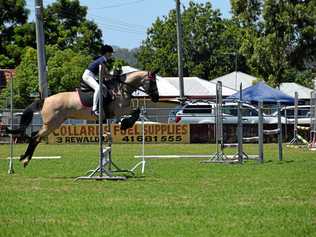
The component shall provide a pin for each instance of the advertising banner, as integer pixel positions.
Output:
(153, 133)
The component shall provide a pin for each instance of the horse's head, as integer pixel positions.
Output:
(143, 79)
(149, 83)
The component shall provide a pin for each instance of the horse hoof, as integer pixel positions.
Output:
(24, 161)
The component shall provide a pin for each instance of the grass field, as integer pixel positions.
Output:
(175, 197)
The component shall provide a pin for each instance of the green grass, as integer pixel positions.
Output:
(174, 198)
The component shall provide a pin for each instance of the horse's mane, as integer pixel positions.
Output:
(128, 73)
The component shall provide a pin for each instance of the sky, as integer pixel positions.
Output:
(124, 22)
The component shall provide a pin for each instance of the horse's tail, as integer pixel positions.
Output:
(26, 117)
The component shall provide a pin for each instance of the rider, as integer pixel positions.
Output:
(90, 74)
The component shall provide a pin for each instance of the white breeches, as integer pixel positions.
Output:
(89, 78)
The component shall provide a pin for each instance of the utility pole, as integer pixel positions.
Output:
(180, 52)
(40, 42)
(236, 65)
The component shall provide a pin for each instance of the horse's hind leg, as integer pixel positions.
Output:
(27, 156)
(35, 140)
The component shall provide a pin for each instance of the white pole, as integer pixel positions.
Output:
(236, 65)
(260, 132)
(280, 153)
(143, 161)
(240, 126)
(220, 115)
(295, 114)
(110, 142)
(10, 168)
(101, 153)
(143, 140)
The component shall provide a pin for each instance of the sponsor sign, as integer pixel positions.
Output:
(153, 133)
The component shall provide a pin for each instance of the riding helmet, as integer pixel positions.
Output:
(106, 48)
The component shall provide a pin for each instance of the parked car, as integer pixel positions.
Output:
(196, 112)
(173, 113)
(204, 112)
(303, 114)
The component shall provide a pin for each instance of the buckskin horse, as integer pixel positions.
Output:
(57, 108)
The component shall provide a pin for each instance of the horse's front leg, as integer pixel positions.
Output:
(130, 120)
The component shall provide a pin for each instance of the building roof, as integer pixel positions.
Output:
(290, 88)
(233, 80)
(196, 87)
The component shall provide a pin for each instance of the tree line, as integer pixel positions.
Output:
(272, 40)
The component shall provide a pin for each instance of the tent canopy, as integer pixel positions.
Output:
(262, 92)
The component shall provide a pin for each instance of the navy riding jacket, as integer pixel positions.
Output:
(94, 66)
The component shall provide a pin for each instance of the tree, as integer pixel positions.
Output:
(247, 12)
(65, 68)
(12, 15)
(303, 22)
(209, 43)
(67, 27)
(280, 38)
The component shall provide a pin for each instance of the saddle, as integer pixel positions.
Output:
(86, 94)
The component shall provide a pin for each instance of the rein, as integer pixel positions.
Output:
(133, 87)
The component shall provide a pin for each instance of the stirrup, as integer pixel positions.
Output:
(95, 112)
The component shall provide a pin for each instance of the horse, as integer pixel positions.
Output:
(57, 108)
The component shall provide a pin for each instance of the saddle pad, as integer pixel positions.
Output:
(86, 98)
